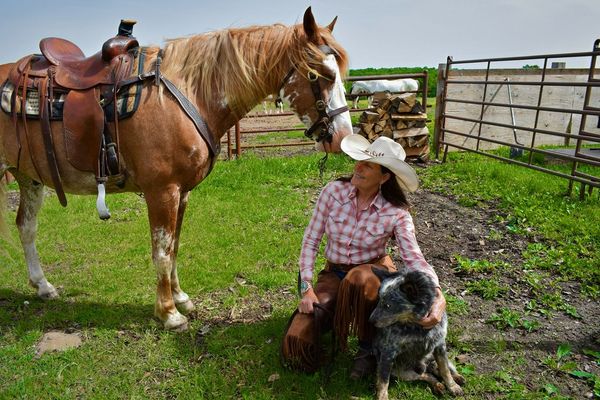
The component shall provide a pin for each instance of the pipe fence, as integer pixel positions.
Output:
(532, 117)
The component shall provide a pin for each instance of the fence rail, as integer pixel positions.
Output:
(554, 114)
(233, 139)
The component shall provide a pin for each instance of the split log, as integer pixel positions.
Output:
(410, 117)
(411, 132)
(366, 127)
(404, 103)
(369, 116)
(381, 100)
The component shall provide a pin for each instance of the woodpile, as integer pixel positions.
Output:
(400, 117)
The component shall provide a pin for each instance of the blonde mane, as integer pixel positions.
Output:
(244, 64)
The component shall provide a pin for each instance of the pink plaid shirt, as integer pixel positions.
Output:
(357, 237)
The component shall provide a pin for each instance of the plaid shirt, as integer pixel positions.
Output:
(357, 237)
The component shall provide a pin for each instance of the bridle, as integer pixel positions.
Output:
(320, 130)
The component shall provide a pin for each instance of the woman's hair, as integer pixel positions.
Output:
(390, 190)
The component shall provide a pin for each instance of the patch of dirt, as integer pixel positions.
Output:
(445, 230)
(57, 341)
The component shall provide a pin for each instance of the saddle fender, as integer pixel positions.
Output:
(83, 120)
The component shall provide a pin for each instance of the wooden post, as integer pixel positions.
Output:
(229, 144)
(238, 140)
(439, 98)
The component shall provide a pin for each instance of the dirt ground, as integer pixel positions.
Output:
(446, 229)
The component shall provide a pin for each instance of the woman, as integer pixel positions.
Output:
(359, 214)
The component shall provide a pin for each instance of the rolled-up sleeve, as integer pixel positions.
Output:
(313, 235)
(410, 252)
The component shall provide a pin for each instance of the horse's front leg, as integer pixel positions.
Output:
(182, 300)
(31, 198)
(162, 212)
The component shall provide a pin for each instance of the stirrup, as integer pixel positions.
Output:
(103, 212)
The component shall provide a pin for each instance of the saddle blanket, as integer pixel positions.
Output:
(128, 100)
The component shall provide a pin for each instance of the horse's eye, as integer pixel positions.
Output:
(387, 306)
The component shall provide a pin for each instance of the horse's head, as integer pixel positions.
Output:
(314, 87)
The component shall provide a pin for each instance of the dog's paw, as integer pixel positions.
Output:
(438, 388)
(459, 379)
(456, 390)
(382, 396)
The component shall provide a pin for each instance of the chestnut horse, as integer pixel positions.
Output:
(224, 74)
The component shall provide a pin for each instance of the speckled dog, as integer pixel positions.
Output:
(404, 298)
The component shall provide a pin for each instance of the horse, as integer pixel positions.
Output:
(223, 74)
(277, 101)
(381, 85)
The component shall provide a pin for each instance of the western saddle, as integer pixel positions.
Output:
(91, 85)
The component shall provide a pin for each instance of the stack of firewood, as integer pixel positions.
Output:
(400, 117)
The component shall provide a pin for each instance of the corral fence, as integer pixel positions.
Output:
(539, 117)
(234, 139)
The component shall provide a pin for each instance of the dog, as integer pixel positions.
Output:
(404, 298)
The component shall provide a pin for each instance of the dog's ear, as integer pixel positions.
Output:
(411, 290)
(381, 273)
(419, 290)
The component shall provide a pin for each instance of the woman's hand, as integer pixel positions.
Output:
(306, 303)
(436, 312)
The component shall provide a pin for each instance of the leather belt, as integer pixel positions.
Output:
(347, 267)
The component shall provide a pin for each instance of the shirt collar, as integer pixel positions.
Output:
(378, 201)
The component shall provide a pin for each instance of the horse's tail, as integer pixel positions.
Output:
(3, 207)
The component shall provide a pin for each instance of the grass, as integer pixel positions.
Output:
(245, 224)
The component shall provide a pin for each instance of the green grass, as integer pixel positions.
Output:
(246, 222)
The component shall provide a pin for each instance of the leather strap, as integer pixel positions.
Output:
(194, 115)
(188, 107)
(45, 110)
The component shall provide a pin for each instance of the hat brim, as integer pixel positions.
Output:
(356, 145)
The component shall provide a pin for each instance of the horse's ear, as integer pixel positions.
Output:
(310, 25)
(332, 24)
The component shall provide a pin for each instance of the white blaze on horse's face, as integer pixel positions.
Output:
(298, 93)
(342, 124)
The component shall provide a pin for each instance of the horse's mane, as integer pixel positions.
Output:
(246, 64)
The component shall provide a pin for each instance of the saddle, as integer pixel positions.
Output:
(90, 85)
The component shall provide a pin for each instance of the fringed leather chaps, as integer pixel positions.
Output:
(345, 305)
(301, 344)
(357, 298)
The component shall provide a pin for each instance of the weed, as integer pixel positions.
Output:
(469, 267)
(559, 362)
(505, 318)
(489, 289)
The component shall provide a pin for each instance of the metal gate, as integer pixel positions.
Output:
(524, 115)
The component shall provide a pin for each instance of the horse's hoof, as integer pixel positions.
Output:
(176, 322)
(185, 307)
(47, 292)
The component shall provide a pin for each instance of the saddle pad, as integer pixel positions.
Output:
(32, 102)
(128, 101)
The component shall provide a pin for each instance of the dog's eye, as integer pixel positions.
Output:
(387, 306)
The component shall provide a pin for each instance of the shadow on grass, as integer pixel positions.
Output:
(25, 311)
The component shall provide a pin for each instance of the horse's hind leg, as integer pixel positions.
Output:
(163, 213)
(182, 300)
(32, 195)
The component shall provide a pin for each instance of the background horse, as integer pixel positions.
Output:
(382, 85)
(275, 101)
(224, 74)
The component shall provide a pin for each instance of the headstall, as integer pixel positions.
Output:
(320, 130)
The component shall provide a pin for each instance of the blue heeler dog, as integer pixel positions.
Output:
(405, 298)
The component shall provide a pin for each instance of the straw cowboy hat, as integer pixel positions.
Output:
(383, 151)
